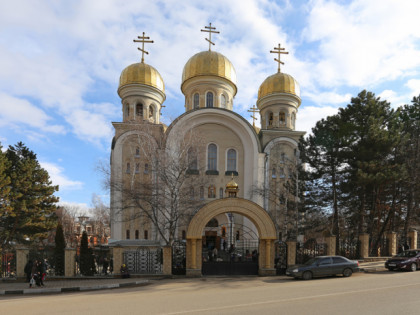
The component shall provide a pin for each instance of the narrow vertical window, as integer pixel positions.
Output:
(151, 111)
(137, 168)
(231, 160)
(212, 192)
(196, 101)
(146, 168)
(293, 119)
(273, 173)
(212, 157)
(282, 118)
(281, 172)
(127, 234)
(237, 235)
(209, 99)
(222, 101)
(146, 234)
(139, 110)
(127, 170)
(184, 234)
(137, 152)
(270, 119)
(137, 234)
(127, 111)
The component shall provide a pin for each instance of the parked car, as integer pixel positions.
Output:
(406, 260)
(323, 266)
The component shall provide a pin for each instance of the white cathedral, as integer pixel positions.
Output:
(259, 163)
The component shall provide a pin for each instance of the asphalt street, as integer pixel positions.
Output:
(364, 293)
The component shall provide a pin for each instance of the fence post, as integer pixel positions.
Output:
(364, 245)
(117, 254)
(69, 262)
(22, 255)
(413, 235)
(167, 260)
(392, 245)
(291, 253)
(331, 245)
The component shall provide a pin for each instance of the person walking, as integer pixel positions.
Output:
(28, 271)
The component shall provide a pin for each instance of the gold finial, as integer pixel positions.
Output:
(253, 110)
(142, 39)
(210, 30)
(279, 51)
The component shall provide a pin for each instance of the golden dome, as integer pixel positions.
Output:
(209, 63)
(279, 83)
(141, 73)
(232, 185)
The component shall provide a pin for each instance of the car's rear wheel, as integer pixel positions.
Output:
(347, 272)
(307, 275)
(413, 267)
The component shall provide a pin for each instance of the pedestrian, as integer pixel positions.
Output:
(124, 271)
(105, 266)
(35, 275)
(111, 265)
(28, 271)
(40, 271)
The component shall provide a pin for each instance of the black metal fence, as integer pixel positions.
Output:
(179, 256)
(350, 248)
(280, 257)
(309, 249)
(144, 260)
(8, 264)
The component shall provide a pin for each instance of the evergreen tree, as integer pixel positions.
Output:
(85, 256)
(31, 210)
(60, 245)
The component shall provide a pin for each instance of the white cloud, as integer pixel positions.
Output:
(14, 111)
(81, 208)
(308, 117)
(414, 86)
(58, 178)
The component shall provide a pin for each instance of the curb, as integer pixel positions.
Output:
(75, 289)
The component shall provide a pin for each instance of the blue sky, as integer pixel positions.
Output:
(60, 63)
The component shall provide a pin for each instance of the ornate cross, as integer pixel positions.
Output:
(253, 110)
(142, 39)
(210, 30)
(279, 51)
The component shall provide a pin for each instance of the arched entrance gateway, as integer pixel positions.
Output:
(256, 214)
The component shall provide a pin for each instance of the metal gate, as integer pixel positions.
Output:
(179, 255)
(280, 258)
(144, 260)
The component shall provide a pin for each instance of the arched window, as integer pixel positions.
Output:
(151, 111)
(127, 234)
(192, 159)
(196, 101)
(137, 168)
(209, 99)
(212, 192)
(222, 101)
(270, 119)
(127, 170)
(146, 234)
(139, 110)
(282, 118)
(231, 160)
(221, 193)
(212, 223)
(281, 172)
(137, 234)
(212, 157)
(137, 152)
(293, 120)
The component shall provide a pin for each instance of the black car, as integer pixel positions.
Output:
(323, 266)
(406, 260)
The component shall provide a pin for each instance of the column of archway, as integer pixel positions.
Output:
(257, 215)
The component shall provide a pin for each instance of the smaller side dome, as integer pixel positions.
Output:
(279, 83)
(141, 73)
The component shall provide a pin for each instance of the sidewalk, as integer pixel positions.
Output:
(75, 284)
(70, 285)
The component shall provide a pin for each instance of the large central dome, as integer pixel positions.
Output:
(209, 63)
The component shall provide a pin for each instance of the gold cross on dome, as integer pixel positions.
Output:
(142, 39)
(210, 30)
(278, 50)
(253, 110)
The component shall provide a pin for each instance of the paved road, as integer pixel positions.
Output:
(378, 293)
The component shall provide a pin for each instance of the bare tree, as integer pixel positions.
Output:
(100, 218)
(67, 216)
(170, 188)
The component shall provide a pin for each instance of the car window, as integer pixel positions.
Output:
(311, 261)
(338, 260)
(325, 261)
